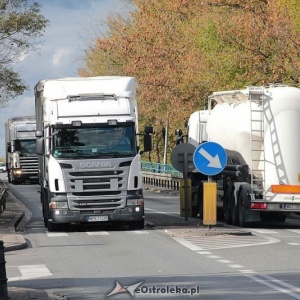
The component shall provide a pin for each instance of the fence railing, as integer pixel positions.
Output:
(161, 175)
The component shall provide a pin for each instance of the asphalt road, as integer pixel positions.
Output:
(164, 262)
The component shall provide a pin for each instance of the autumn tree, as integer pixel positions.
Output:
(21, 25)
(182, 50)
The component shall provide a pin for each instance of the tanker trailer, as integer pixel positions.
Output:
(259, 128)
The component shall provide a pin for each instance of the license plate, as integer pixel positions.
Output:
(292, 206)
(97, 218)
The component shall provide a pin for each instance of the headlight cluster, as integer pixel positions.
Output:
(135, 202)
(17, 172)
(58, 205)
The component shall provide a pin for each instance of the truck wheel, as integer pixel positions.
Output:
(227, 206)
(234, 213)
(137, 225)
(241, 211)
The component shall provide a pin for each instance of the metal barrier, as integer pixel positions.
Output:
(160, 168)
(161, 180)
(161, 175)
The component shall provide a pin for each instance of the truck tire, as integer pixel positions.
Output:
(227, 205)
(234, 212)
(241, 211)
(137, 225)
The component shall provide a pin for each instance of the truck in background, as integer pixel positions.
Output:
(21, 157)
(259, 129)
(89, 153)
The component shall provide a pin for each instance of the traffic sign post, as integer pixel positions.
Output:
(182, 161)
(210, 159)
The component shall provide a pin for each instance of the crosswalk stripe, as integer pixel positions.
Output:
(57, 234)
(97, 233)
(31, 271)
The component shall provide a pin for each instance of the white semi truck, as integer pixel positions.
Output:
(89, 154)
(259, 129)
(21, 158)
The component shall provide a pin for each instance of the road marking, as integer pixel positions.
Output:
(137, 232)
(265, 231)
(276, 287)
(294, 244)
(57, 234)
(236, 266)
(295, 230)
(225, 261)
(247, 271)
(31, 271)
(207, 243)
(97, 233)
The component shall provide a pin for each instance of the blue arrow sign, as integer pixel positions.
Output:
(210, 158)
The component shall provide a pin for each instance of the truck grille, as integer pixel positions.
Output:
(29, 164)
(96, 190)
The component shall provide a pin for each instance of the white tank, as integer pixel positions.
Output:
(229, 124)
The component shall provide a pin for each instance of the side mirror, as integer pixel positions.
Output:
(39, 147)
(147, 143)
(148, 129)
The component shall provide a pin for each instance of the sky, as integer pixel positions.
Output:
(73, 24)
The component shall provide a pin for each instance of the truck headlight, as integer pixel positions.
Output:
(61, 204)
(17, 172)
(135, 202)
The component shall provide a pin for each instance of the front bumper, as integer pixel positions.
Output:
(127, 214)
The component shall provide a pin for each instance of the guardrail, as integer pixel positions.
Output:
(161, 180)
(161, 175)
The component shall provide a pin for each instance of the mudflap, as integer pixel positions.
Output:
(252, 216)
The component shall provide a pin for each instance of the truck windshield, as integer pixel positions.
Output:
(94, 142)
(26, 147)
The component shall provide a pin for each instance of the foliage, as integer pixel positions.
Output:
(21, 24)
(182, 50)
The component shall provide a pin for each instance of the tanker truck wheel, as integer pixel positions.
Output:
(234, 212)
(227, 205)
(241, 210)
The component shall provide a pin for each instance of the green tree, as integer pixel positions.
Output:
(21, 26)
(182, 50)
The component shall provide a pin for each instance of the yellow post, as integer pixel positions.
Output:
(182, 198)
(209, 203)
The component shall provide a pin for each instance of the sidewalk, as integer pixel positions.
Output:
(10, 218)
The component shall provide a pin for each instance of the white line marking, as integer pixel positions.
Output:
(225, 261)
(294, 230)
(292, 287)
(57, 234)
(31, 271)
(204, 252)
(97, 233)
(138, 232)
(214, 256)
(273, 286)
(294, 244)
(247, 271)
(265, 231)
(236, 266)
